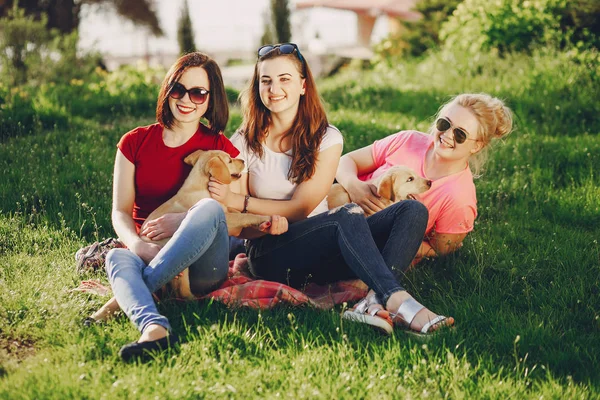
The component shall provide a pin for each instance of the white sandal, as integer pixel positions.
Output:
(377, 317)
(409, 309)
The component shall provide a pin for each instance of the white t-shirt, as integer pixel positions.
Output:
(268, 177)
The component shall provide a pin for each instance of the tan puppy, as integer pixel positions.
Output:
(205, 164)
(220, 165)
(395, 184)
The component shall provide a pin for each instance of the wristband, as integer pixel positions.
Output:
(246, 199)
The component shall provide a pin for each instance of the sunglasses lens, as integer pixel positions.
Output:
(442, 125)
(198, 96)
(177, 91)
(264, 50)
(286, 48)
(459, 135)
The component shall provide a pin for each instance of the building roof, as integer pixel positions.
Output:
(403, 9)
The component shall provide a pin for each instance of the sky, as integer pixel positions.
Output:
(227, 25)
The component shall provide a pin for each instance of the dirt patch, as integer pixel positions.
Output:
(14, 350)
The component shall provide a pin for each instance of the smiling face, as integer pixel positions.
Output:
(184, 110)
(280, 85)
(444, 144)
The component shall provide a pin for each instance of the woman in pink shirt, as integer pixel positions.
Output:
(454, 150)
(450, 155)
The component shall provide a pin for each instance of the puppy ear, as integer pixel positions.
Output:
(386, 187)
(192, 158)
(217, 168)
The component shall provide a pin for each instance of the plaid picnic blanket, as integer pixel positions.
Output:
(242, 290)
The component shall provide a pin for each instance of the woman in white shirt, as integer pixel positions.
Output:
(292, 155)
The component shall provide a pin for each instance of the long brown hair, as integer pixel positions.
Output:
(308, 128)
(217, 112)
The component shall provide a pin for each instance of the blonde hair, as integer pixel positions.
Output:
(494, 118)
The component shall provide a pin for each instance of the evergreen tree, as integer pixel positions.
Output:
(185, 31)
(268, 37)
(281, 20)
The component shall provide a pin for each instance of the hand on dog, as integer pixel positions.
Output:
(277, 226)
(365, 195)
(146, 251)
(163, 227)
(220, 191)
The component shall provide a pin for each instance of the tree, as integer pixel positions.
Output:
(280, 13)
(268, 37)
(23, 37)
(64, 15)
(185, 31)
(424, 34)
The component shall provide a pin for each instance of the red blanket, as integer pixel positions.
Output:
(242, 290)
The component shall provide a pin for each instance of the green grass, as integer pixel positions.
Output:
(523, 289)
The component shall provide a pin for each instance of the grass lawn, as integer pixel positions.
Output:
(524, 289)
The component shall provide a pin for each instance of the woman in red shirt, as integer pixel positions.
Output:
(149, 169)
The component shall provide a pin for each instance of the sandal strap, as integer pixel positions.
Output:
(434, 321)
(374, 312)
(361, 306)
(409, 309)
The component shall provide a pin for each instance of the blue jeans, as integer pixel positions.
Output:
(343, 244)
(201, 242)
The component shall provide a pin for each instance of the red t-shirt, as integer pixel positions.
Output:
(159, 169)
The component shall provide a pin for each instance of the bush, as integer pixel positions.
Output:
(502, 25)
(418, 36)
(29, 52)
(22, 44)
(232, 95)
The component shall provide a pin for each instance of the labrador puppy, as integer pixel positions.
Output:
(205, 164)
(395, 184)
(220, 165)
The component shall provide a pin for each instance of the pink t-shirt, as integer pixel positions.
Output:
(451, 201)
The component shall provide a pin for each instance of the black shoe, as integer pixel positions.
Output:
(141, 350)
(89, 321)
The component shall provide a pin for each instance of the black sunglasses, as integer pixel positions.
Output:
(197, 95)
(284, 48)
(460, 136)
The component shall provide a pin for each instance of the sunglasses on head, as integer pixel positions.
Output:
(460, 136)
(284, 48)
(197, 95)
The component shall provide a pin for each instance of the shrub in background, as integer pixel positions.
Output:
(23, 40)
(30, 53)
(418, 36)
(502, 25)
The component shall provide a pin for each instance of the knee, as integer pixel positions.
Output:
(414, 208)
(349, 210)
(119, 258)
(207, 207)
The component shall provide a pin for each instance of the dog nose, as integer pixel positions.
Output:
(429, 182)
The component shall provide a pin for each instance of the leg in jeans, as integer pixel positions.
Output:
(327, 247)
(398, 229)
(201, 241)
(339, 245)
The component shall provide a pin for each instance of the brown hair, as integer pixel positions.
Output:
(494, 118)
(307, 130)
(217, 113)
